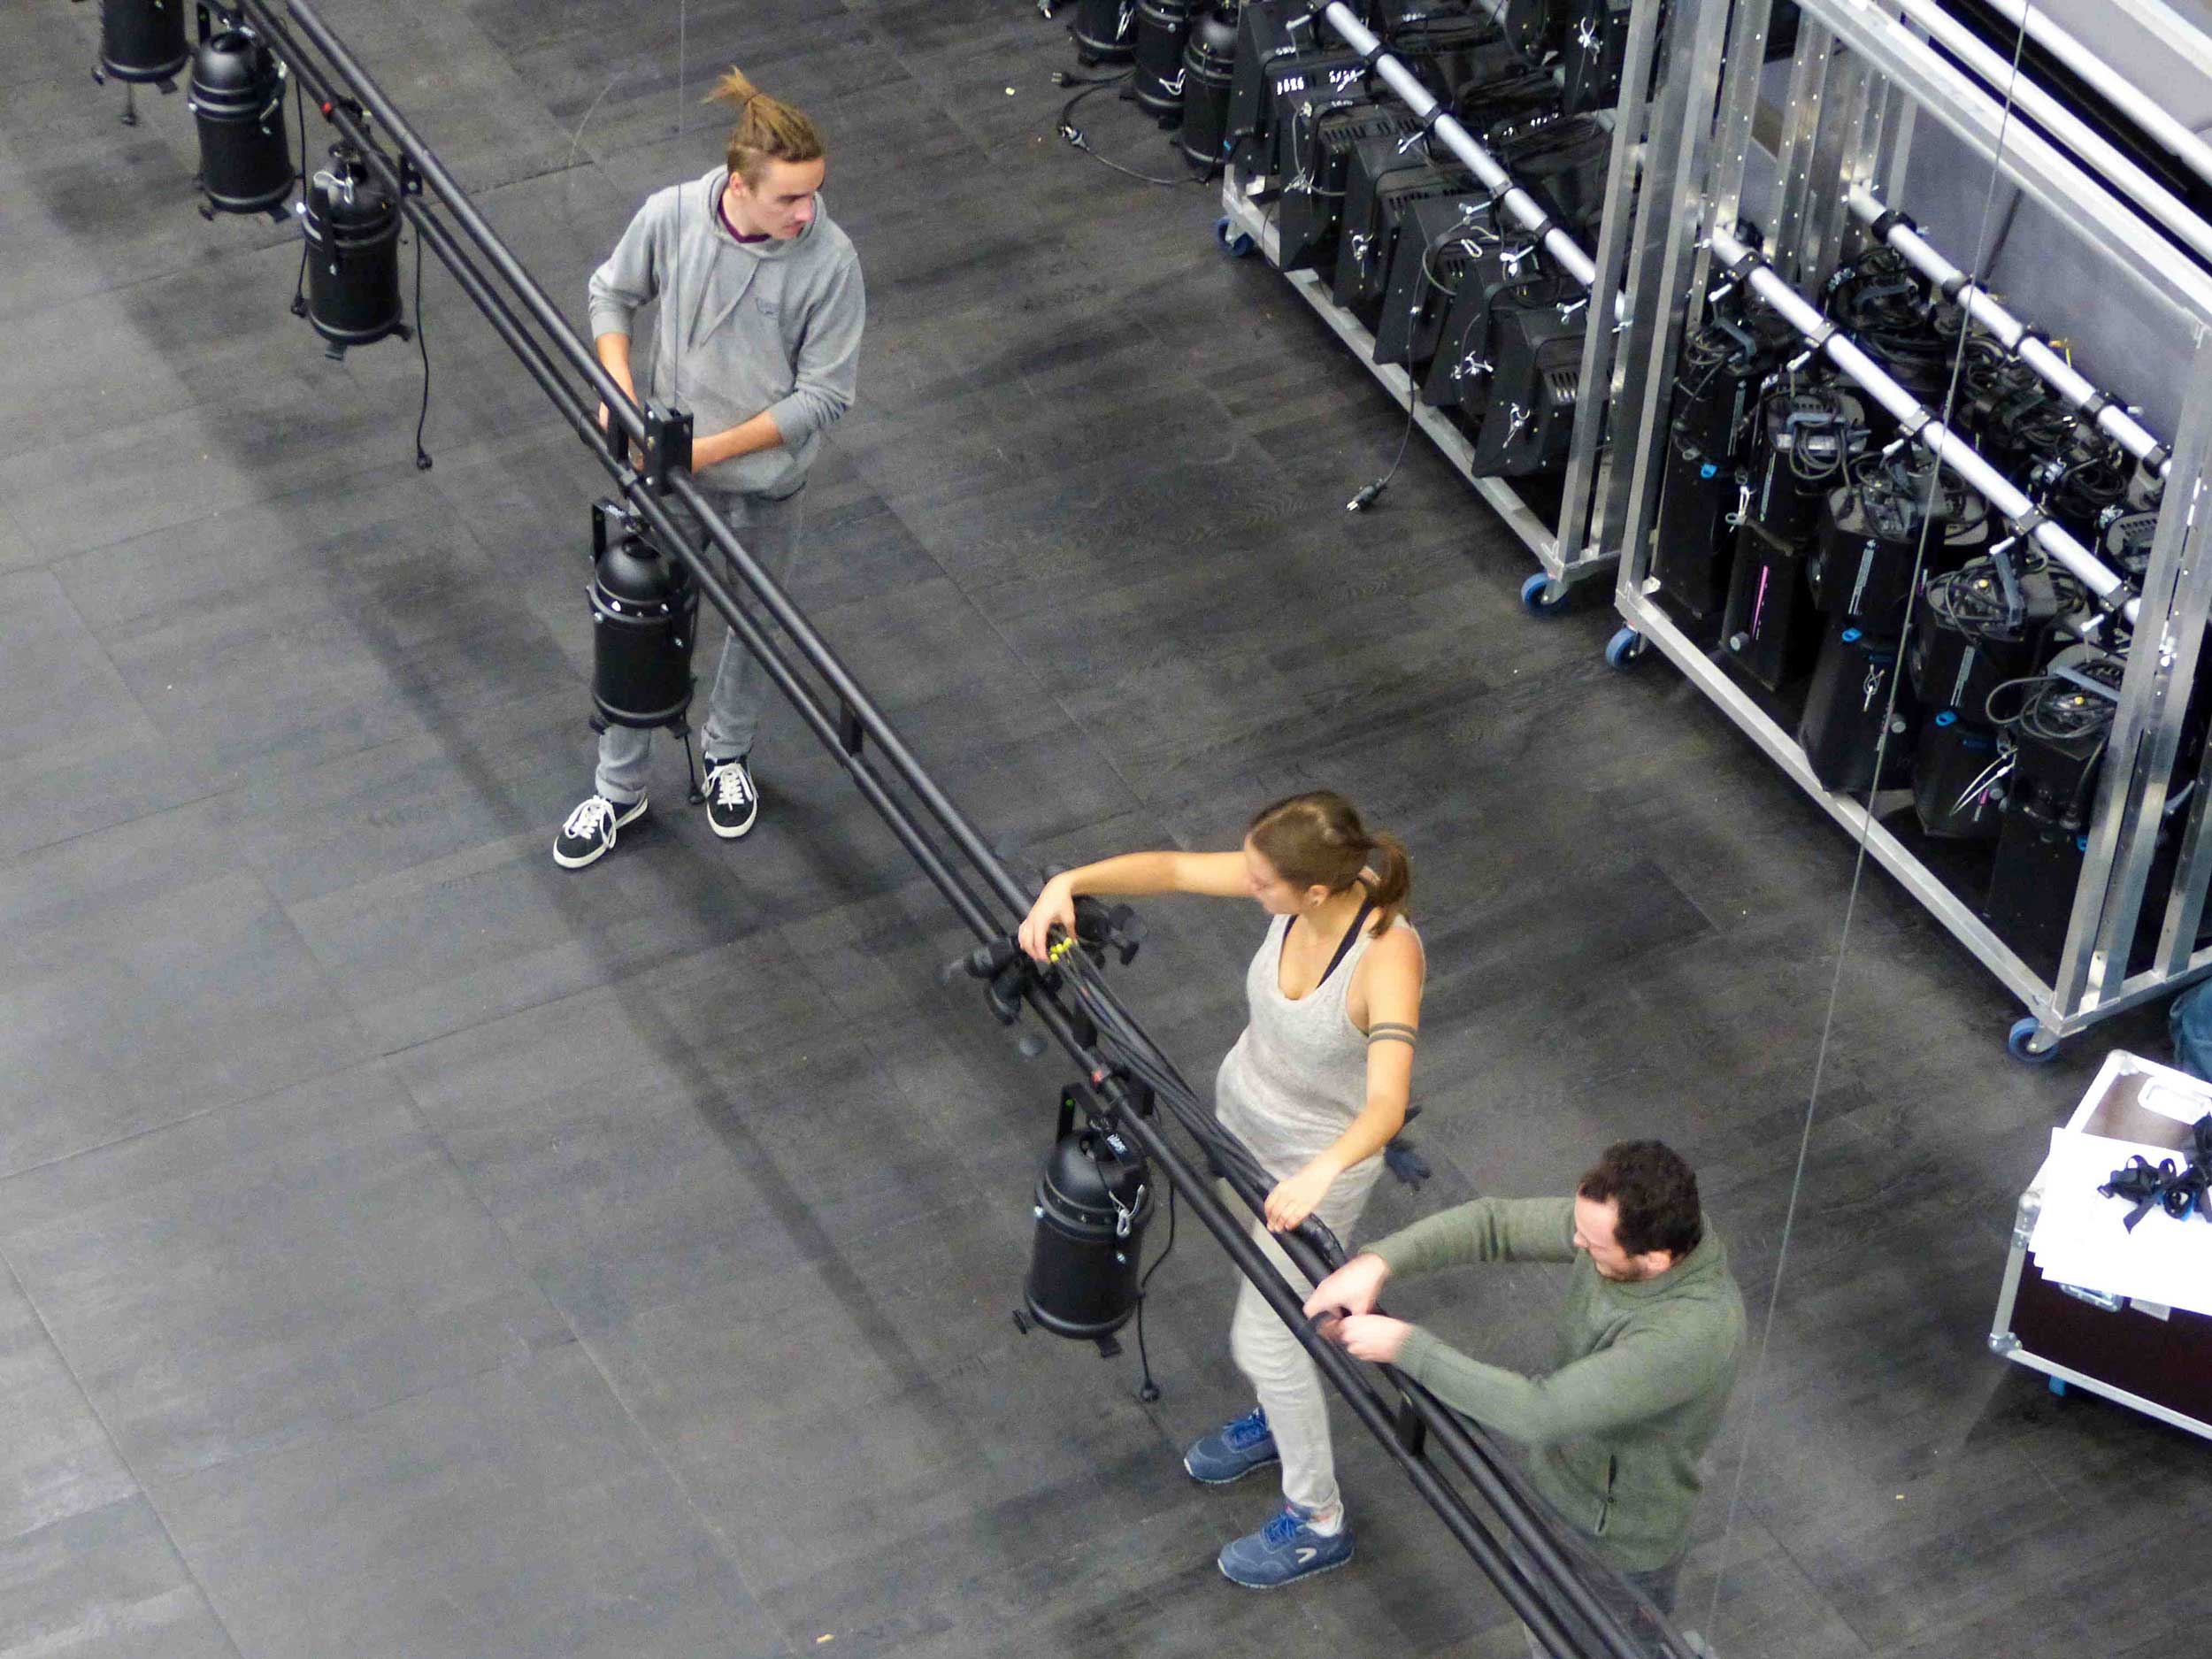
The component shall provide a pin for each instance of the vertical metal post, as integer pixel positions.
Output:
(1837, 154)
(1582, 517)
(1800, 129)
(1668, 256)
(2134, 791)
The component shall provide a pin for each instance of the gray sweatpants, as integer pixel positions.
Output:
(1275, 1363)
(738, 698)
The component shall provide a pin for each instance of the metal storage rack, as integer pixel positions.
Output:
(1860, 80)
(1572, 548)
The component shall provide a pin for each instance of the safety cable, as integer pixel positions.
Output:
(1756, 1382)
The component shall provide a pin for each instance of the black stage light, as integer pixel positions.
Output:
(1981, 624)
(1893, 515)
(351, 223)
(1536, 338)
(2058, 738)
(1438, 249)
(1595, 49)
(1162, 31)
(1855, 703)
(1316, 160)
(1810, 436)
(1094, 1198)
(140, 41)
(1708, 438)
(1537, 28)
(1386, 177)
(1770, 630)
(1209, 64)
(645, 617)
(237, 100)
(1957, 771)
(1105, 31)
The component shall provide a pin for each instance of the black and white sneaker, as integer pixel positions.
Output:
(731, 800)
(589, 833)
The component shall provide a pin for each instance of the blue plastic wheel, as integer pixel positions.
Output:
(2020, 1044)
(1541, 599)
(1236, 243)
(1624, 648)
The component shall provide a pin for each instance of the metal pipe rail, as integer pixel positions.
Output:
(1920, 423)
(1521, 1592)
(1515, 201)
(2123, 95)
(1993, 67)
(2015, 335)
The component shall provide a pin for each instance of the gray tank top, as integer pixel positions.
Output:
(1298, 1074)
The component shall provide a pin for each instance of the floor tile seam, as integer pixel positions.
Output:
(1782, 1544)
(122, 1457)
(203, 261)
(585, 1347)
(84, 622)
(20, 854)
(232, 1105)
(723, 1544)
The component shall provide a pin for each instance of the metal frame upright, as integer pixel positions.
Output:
(1859, 81)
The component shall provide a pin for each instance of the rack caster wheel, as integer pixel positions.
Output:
(1624, 648)
(2057, 1385)
(1236, 243)
(2021, 1042)
(1540, 598)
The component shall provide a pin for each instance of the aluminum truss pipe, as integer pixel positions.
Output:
(1919, 422)
(2156, 123)
(1993, 67)
(1524, 207)
(2015, 335)
(834, 728)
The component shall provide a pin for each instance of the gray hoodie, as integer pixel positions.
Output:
(771, 325)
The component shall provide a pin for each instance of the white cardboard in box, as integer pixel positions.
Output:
(2135, 1106)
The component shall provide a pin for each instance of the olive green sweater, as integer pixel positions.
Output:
(1641, 1373)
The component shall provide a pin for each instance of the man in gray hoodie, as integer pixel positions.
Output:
(759, 337)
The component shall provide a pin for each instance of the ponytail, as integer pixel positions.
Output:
(767, 128)
(1316, 840)
(1393, 882)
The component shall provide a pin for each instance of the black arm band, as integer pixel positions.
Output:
(1953, 285)
(1889, 221)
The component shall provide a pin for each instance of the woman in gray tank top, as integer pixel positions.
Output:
(1316, 1086)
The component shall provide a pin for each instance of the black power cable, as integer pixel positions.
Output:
(1076, 139)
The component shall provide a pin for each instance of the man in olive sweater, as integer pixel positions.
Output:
(1649, 1337)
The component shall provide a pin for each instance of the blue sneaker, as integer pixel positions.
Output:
(1234, 1450)
(1283, 1552)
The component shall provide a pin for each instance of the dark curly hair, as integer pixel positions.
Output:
(1655, 1192)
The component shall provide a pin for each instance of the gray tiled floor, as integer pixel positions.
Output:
(408, 1249)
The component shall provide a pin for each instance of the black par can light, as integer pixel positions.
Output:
(141, 40)
(237, 101)
(1094, 1199)
(1163, 32)
(1105, 31)
(1209, 70)
(645, 617)
(351, 223)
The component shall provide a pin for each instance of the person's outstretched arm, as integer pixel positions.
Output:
(1132, 875)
